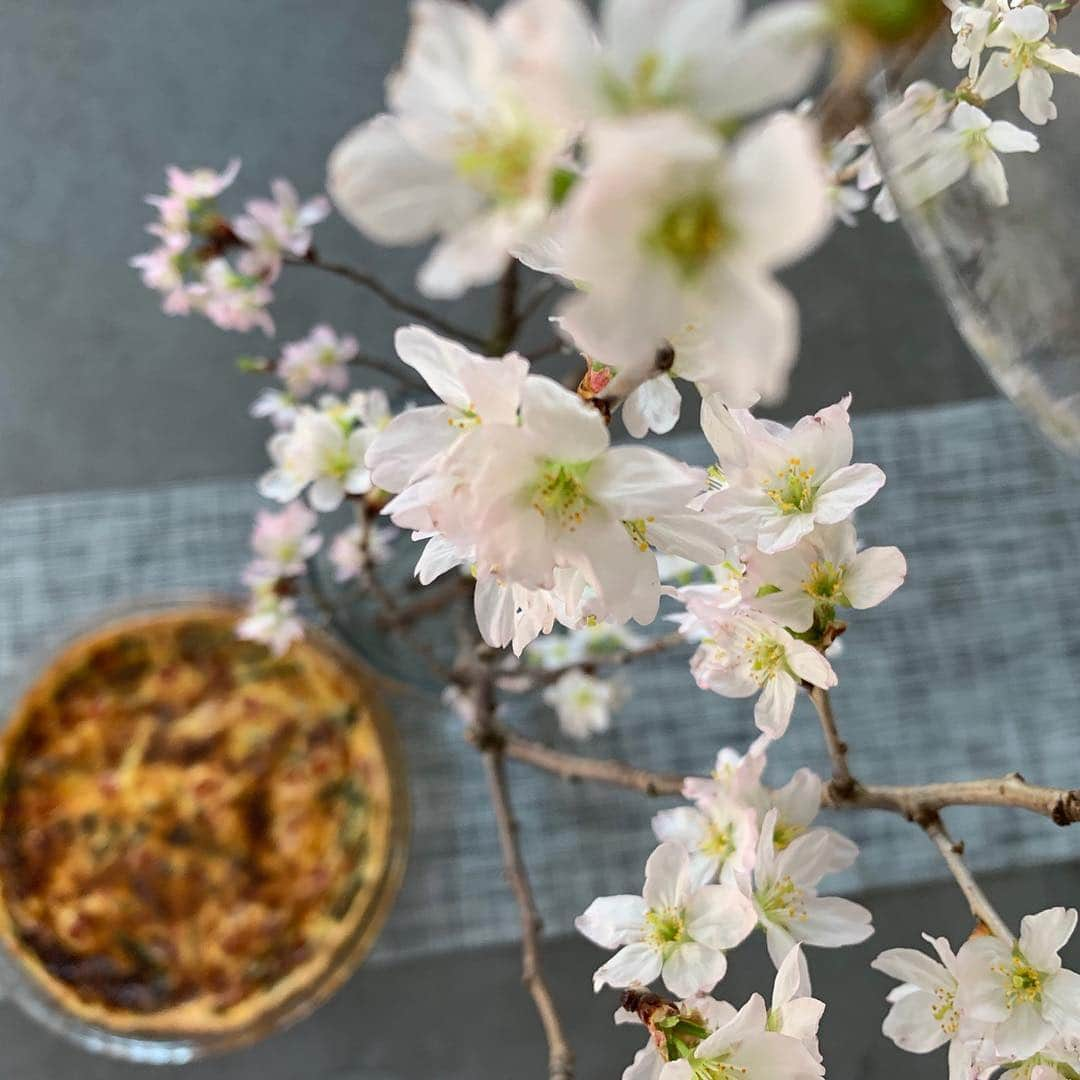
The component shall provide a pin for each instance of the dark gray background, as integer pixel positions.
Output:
(97, 389)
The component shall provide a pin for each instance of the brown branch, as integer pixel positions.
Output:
(387, 295)
(844, 787)
(576, 767)
(476, 705)
(429, 602)
(1060, 805)
(842, 782)
(977, 900)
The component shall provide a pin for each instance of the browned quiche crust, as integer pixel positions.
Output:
(191, 831)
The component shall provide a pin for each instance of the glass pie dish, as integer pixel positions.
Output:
(199, 842)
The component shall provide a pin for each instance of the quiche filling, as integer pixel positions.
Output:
(190, 829)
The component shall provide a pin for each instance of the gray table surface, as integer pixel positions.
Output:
(98, 391)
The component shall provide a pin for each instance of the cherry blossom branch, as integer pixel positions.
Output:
(977, 900)
(842, 781)
(386, 295)
(577, 768)
(476, 703)
(1060, 805)
(843, 787)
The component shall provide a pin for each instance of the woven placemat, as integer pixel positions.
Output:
(972, 669)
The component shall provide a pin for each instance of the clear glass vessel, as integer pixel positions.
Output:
(25, 990)
(1009, 274)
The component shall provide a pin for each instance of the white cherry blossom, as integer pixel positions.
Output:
(785, 894)
(717, 833)
(283, 542)
(971, 24)
(1022, 989)
(323, 452)
(794, 1011)
(968, 144)
(675, 236)
(823, 571)
(578, 646)
(473, 390)
(749, 654)
(673, 930)
(550, 492)
(320, 359)
(925, 1011)
(271, 619)
(649, 55)
(463, 154)
(744, 1047)
(1026, 59)
(584, 703)
(274, 228)
(781, 481)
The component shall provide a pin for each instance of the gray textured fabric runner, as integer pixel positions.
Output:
(971, 669)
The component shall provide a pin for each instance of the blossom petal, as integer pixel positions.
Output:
(810, 665)
(613, 921)
(693, 968)
(832, 921)
(390, 191)
(637, 963)
(719, 916)
(845, 491)
(913, 966)
(911, 1024)
(1036, 87)
(873, 576)
(653, 406)
(666, 876)
(562, 425)
(408, 443)
(772, 711)
(1044, 935)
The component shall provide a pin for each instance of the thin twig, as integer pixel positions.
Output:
(844, 785)
(842, 782)
(977, 900)
(576, 767)
(476, 705)
(560, 1056)
(387, 296)
(429, 602)
(521, 679)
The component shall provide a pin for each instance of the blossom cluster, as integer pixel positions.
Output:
(1005, 1009)
(190, 266)
(938, 137)
(765, 617)
(741, 856)
(637, 159)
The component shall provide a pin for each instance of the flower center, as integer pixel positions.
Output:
(766, 658)
(793, 488)
(785, 833)
(1023, 984)
(719, 842)
(560, 492)
(499, 161)
(645, 89)
(782, 902)
(689, 233)
(667, 928)
(825, 582)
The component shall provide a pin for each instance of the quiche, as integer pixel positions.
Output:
(193, 833)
